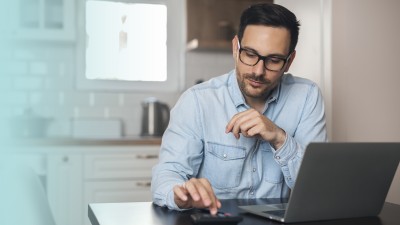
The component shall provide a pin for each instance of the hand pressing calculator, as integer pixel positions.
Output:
(220, 217)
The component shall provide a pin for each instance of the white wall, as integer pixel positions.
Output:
(41, 75)
(205, 65)
(365, 70)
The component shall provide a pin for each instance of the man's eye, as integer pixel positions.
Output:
(275, 60)
(251, 55)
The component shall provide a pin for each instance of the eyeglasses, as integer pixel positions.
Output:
(271, 62)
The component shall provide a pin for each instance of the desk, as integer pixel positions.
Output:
(146, 213)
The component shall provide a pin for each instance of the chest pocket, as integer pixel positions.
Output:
(223, 165)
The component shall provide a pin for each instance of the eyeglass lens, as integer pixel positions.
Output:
(270, 63)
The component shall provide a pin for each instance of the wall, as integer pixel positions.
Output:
(41, 76)
(365, 73)
(203, 65)
(365, 70)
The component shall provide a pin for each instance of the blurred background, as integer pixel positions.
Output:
(81, 81)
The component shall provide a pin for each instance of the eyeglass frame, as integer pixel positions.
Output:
(263, 58)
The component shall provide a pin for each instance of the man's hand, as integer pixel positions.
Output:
(196, 193)
(251, 123)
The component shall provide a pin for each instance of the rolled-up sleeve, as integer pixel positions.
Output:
(311, 128)
(181, 151)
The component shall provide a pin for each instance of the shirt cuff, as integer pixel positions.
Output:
(171, 202)
(283, 154)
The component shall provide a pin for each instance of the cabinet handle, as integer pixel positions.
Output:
(146, 156)
(143, 183)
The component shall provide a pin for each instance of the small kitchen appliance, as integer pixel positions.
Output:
(155, 117)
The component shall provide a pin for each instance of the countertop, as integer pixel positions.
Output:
(84, 141)
(147, 213)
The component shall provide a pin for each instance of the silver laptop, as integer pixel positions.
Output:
(337, 180)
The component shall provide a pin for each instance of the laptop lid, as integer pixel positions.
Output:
(340, 180)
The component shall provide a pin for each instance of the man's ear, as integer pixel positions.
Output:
(289, 63)
(235, 46)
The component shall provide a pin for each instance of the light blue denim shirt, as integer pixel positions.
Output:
(195, 143)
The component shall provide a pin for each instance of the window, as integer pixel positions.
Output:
(131, 45)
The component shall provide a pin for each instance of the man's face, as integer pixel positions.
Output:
(256, 81)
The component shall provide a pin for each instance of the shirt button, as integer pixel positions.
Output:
(277, 157)
(225, 155)
(254, 169)
(251, 193)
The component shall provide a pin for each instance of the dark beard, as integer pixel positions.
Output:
(254, 77)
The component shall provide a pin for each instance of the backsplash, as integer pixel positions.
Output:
(41, 77)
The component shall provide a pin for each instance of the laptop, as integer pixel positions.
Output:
(337, 180)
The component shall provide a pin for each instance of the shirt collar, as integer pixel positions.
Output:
(237, 96)
(234, 90)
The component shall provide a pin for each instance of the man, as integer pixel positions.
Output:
(242, 134)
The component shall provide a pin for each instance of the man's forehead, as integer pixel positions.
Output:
(266, 39)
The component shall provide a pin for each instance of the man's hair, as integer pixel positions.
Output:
(272, 15)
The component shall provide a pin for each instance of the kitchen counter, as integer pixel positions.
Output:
(126, 141)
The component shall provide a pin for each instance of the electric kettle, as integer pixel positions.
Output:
(155, 117)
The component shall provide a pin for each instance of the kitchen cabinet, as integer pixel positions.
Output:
(115, 191)
(211, 24)
(38, 20)
(118, 174)
(64, 187)
(76, 173)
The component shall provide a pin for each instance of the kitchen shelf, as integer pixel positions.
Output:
(209, 45)
(211, 24)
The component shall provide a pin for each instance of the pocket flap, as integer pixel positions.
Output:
(226, 152)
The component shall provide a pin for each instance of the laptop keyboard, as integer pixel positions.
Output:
(279, 213)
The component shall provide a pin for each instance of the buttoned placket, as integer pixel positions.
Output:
(253, 166)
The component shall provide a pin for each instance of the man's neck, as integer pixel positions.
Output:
(256, 103)
(259, 103)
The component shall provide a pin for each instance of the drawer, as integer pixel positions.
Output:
(117, 166)
(116, 191)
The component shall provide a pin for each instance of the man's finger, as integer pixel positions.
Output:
(233, 120)
(192, 189)
(180, 192)
(213, 207)
(204, 195)
(230, 124)
(237, 121)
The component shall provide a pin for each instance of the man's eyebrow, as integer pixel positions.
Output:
(250, 49)
(270, 55)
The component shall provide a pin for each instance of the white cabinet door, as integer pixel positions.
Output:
(116, 191)
(64, 186)
(119, 174)
(38, 20)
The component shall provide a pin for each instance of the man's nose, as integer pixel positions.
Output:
(259, 68)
